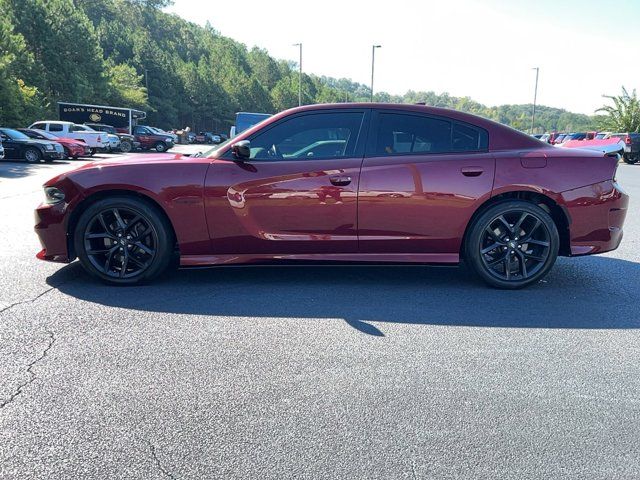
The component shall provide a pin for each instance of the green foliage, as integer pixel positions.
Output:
(130, 53)
(624, 115)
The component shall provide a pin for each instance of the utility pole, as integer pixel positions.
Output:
(535, 98)
(373, 63)
(299, 45)
(146, 79)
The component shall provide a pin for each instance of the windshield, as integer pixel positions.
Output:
(46, 135)
(14, 134)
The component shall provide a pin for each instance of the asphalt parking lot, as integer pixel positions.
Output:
(315, 372)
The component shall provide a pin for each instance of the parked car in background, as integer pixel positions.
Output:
(545, 138)
(602, 135)
(149, 139)
(1, 151)
(208, 137)
(127, 142)
(399, 183)
(72, 148)
(95, 140)
(554, 136)
(159, 131)
(246, 120)
(112, 143)
(17, 145)
(631, 146)
(559, 139)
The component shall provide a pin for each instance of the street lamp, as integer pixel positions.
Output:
(535, 98)
(299, 74)
(373, 62)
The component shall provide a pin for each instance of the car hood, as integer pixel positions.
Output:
(31, 141)
(136, 159)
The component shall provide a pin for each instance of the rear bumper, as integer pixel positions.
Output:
(51, 229)
(597, 213)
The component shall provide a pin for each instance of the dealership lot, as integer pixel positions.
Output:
(333, 372)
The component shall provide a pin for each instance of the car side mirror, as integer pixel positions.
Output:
(241, 150)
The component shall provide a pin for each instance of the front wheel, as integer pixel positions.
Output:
(513, 244)
(123, 241)
(32, 155)
(161, 147)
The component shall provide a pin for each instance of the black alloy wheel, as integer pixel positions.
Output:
(513, 244)
(123, 241)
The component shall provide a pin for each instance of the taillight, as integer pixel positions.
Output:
(627, 140)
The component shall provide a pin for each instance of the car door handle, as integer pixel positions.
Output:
(472, 171)
(340, 181)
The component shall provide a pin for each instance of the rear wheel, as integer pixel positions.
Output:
(32, 155)
(631, 160)
(126, 147)
(123, 241)
(513, 244)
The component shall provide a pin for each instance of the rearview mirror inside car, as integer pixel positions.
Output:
(241, 150)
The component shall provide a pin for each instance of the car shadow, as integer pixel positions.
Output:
(580, 293)
(21, 168)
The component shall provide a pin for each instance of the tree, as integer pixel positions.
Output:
(624, 115)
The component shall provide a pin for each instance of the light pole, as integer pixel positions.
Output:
(373, 62)
(299, 45)
(146, 79)
(535, 98)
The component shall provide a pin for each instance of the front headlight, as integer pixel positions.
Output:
(53, 195)
(49, 146)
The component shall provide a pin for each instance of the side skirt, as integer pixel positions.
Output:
(204, 260)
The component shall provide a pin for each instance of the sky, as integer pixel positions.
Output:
(483, 49)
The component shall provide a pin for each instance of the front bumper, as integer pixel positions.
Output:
(597, 213)
(52, 155)
(51, 228)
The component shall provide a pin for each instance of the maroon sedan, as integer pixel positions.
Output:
(349, 183)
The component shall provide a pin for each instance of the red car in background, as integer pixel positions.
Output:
(368, 182)
(72, 148)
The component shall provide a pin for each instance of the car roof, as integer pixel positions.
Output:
(501, 137)
(61, 122)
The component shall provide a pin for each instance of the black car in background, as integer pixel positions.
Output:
(19, 146)
(127, 142)
(631, 146)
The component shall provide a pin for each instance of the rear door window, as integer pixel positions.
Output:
(406, 134)
(55, 127)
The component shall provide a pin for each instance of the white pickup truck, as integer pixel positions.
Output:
(92, 138)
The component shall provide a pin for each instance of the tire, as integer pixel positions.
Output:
(126, 147)
(32, 155)
(139, 238)
(631, 160)
(67, 153)
(161, 147)
(520, 257)
(92, 152)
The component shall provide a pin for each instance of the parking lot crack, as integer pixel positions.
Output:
(164, 471)
(23, 302)
(32, 375)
